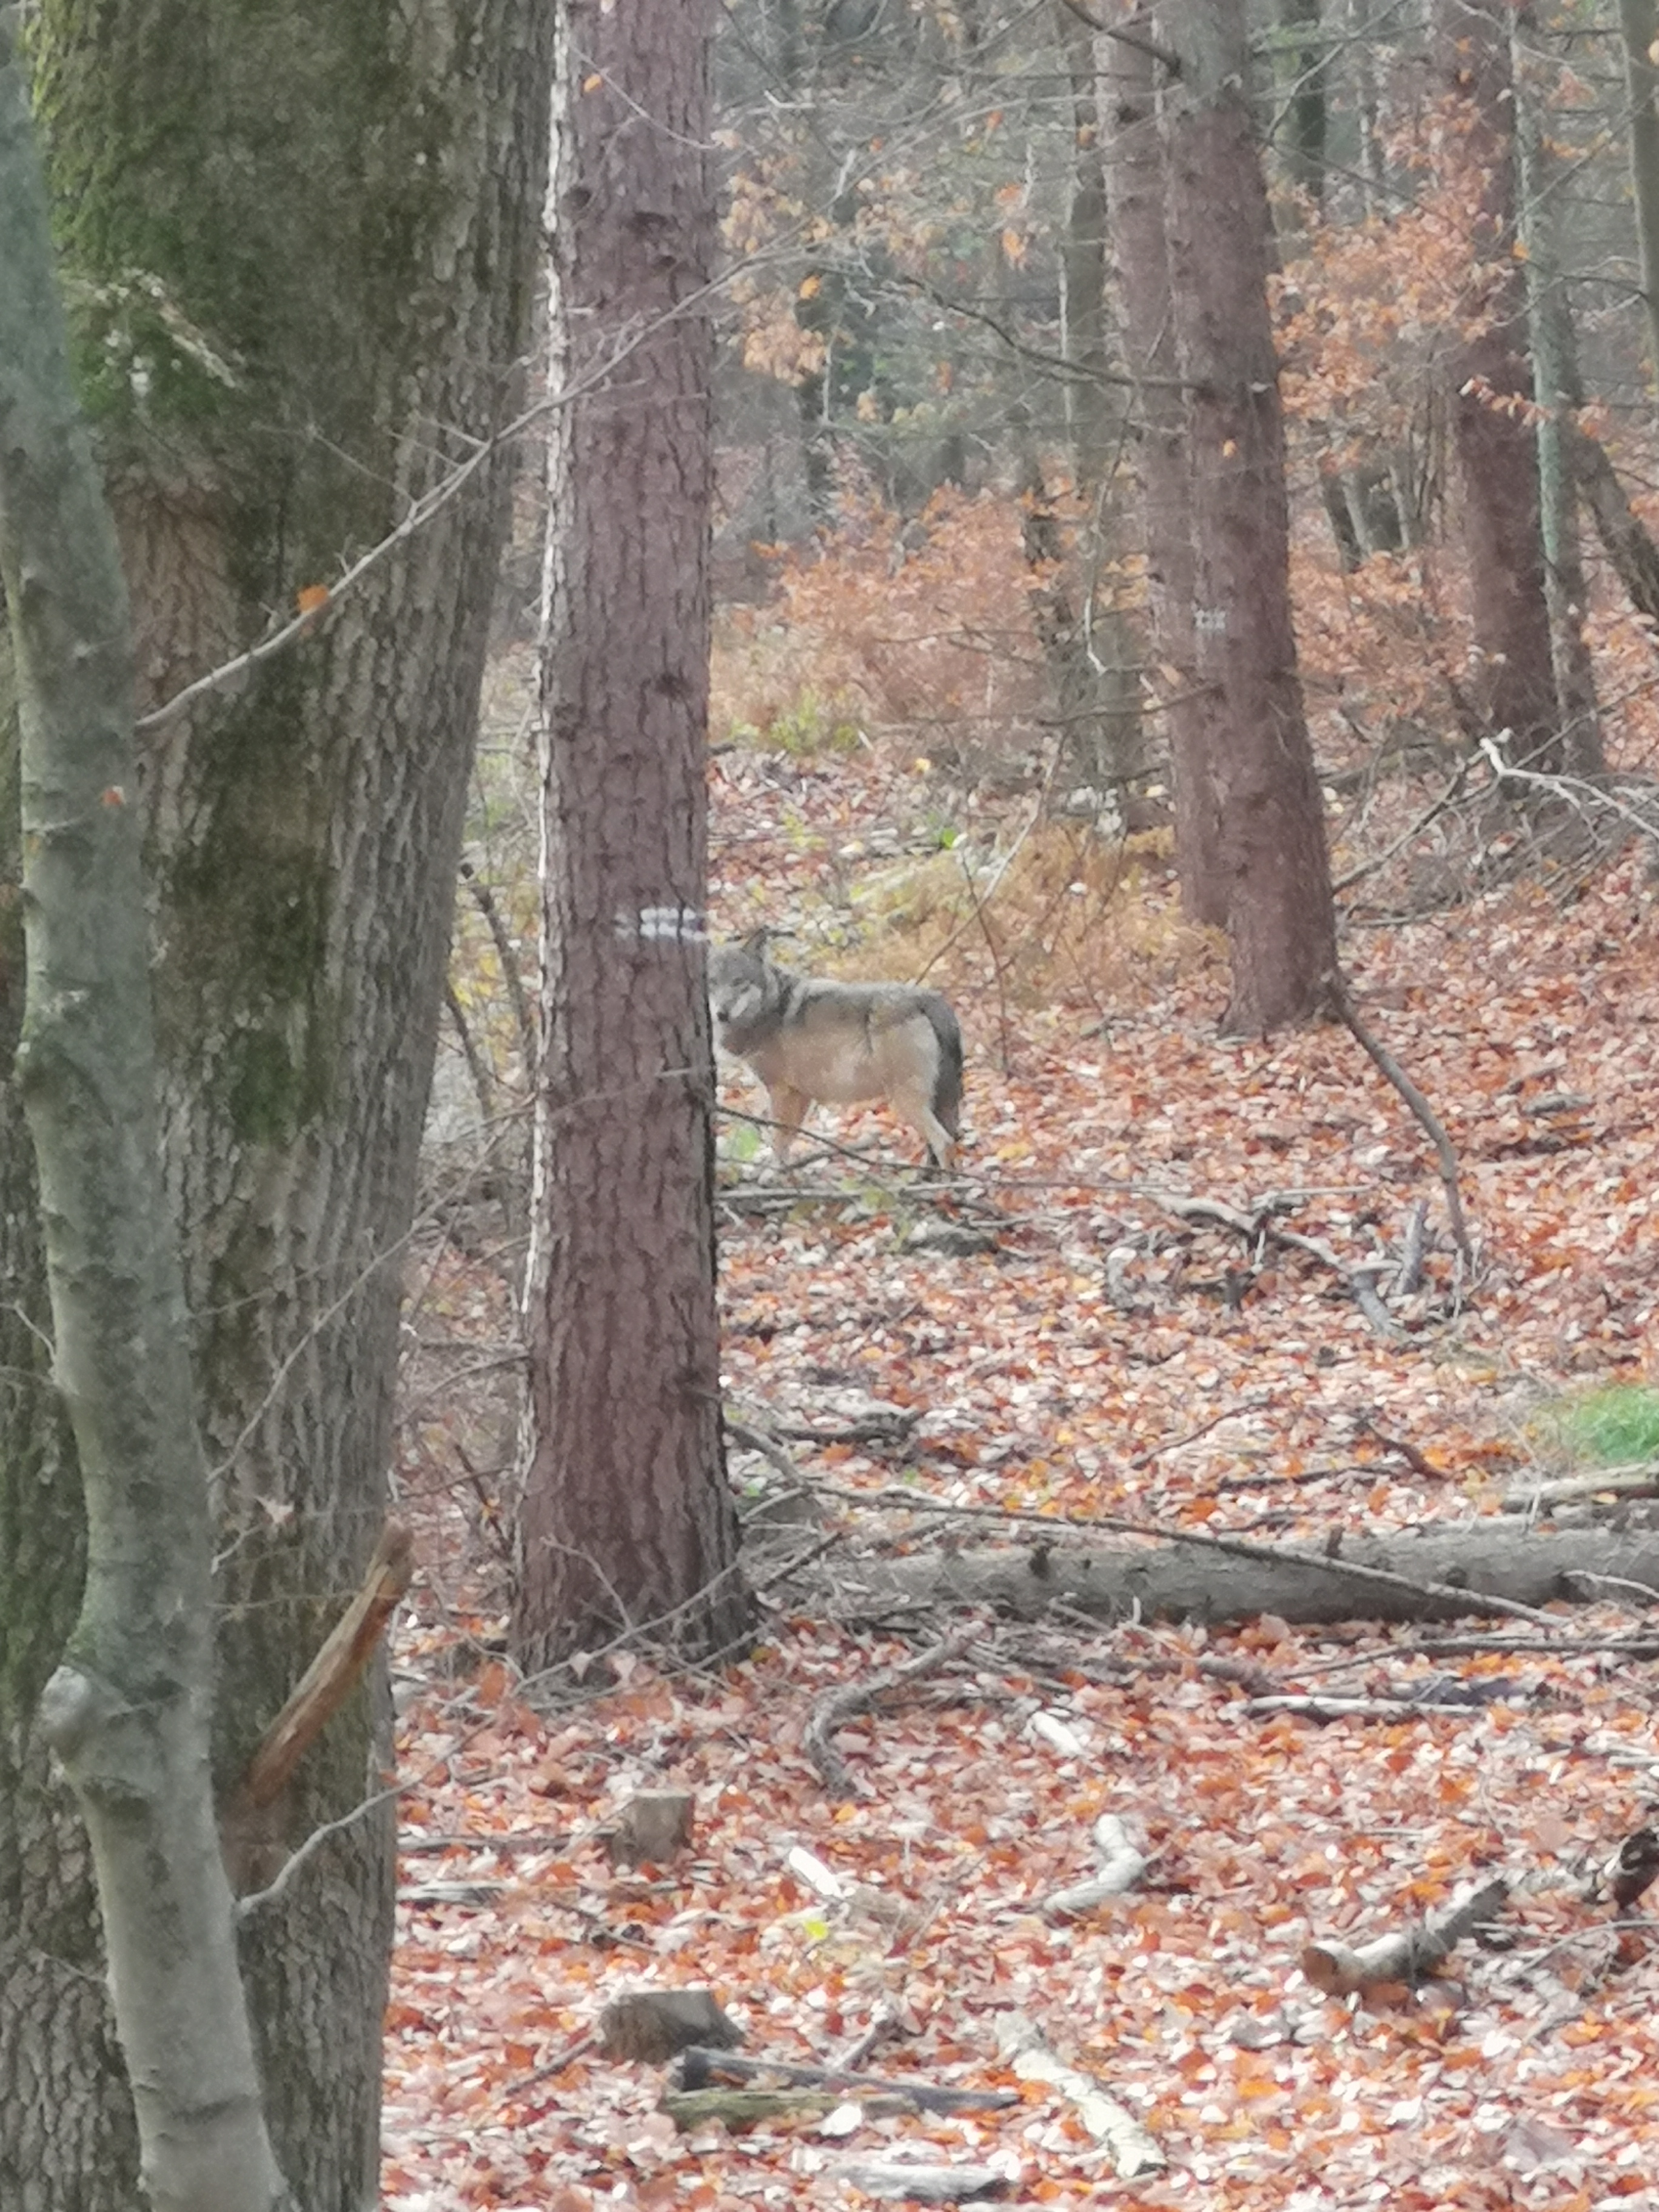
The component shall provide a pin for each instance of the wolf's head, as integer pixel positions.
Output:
(746, 991)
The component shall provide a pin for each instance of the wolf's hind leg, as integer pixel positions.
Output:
(913, 1105)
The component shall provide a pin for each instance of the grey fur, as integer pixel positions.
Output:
(810, 1039)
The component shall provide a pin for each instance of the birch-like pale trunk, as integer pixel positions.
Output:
(129, 1709)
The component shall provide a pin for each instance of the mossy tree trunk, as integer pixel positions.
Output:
(128, 1710)
(301, 242)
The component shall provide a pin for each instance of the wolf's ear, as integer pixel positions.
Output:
(756, 941)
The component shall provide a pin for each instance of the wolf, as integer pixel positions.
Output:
(810, 1040)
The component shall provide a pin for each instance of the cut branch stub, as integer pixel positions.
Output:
(653, 2026)
(651, 1827)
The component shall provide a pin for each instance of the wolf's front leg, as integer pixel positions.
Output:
(789, 1110)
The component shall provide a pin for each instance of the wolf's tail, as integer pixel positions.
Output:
(947, 1083)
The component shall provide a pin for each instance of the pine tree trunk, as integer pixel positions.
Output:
(627, 1520)
(1280, 921)
(299, 308)
(1135, 199)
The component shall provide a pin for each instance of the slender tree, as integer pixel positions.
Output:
(302, 242)
(1638, 24)
(1272, 854)
(1497, 450)
(1134, 166)
(627, 1519)
(1093, 637)
(1553, 349)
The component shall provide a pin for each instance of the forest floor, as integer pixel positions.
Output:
(1099, 1354)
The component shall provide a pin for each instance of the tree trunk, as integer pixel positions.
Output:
(1307, 70)
(1638, 24)
(1280, 921)
(1625, 538)
(65, 2116)
(627, 1519)
(334, 224)
(1095, 648)
(1554, 358)
(129, 1713)
(1497, 451)
(1135, 200)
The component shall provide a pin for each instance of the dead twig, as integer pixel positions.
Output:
(1422, 1112)
(839, 1706)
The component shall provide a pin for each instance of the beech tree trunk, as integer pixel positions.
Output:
(1497, 450)
(129, 1711)
(1272, 859)
(627, 1521)
(297, 311)
(1135, 200)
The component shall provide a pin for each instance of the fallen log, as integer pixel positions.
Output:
(1485, 1567)
(705, 2069)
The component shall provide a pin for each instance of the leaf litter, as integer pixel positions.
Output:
(1098, 1355)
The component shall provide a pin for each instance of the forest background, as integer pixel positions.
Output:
(1197, 1285)
(941, 751)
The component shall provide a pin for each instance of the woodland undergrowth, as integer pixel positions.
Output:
(1045, 1338)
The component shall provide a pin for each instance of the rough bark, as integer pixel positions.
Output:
(128, 1710)
(1276, 871)
(1477, 1570)
(1135, 200)
(627, 1520)
(301, 307)
(1491, 383)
